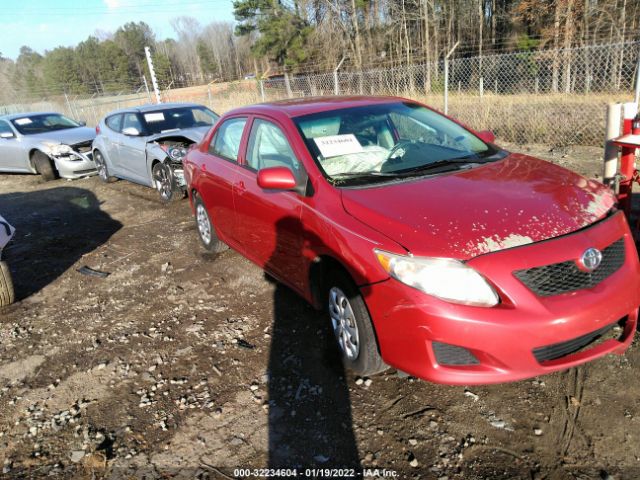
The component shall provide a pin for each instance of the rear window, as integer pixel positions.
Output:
(114, 122)
(160, 121)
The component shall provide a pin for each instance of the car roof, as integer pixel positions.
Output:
(303, 106)
(13, 116)
(153, 107)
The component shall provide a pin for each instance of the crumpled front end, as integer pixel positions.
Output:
(74, 161)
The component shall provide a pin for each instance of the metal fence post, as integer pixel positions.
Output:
(637, 96)
(336, 86)
(287, 85)
(66, 97)
(209, 96)
(261, 81)
(446, 78)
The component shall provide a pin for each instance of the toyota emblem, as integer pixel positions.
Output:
(591, 259)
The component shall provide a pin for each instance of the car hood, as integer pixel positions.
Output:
(194, 134)
(69, 136)
(504, 204)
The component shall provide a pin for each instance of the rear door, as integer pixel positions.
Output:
(220, 170)
(133, 155)
(268, 222)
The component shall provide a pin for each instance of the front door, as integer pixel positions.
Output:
(133, 155)
(220, 171)
(268, 222)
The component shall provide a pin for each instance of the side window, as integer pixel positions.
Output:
(5, 128)
(131, 120)
(114, 122)
(269, 147)
(226, 143)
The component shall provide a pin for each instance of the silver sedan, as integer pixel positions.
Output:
(47, 143)
(146, 144)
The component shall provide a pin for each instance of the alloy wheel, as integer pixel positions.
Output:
(100, 166)
(344, 323)
(204, 226)
(163, 182)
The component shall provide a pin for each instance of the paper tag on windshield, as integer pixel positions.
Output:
(154, 117)
(336, 145)
(23, 121)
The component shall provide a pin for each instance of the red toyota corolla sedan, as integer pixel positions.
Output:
(431, 249)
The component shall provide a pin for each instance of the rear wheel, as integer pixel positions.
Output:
(352, 326)
(7, 295)
(206, 232)
(165, 185)
(44, 166)
(101, 167)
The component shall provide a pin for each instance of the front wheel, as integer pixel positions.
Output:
(165, 185)
(7, 295)
(101, 167)
(206, 232)
(44, 166)
(352, 326)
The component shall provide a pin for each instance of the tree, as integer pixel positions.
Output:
(132, 38)
(283, 32)
(208, 62)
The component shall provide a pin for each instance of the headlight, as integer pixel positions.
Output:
(58, 149)
(177, 153)
(448, 279)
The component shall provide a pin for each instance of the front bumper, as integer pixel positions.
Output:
(75, 165)
(503, 338)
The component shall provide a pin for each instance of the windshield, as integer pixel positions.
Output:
(43, 123)
(388, 140)
(160, 121)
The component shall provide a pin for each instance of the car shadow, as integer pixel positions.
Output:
(310, 424)
(54, 229)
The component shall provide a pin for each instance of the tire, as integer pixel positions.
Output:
(44, 166)
(165, 185)
(352, 326)
(206, 231)
(7, 295)
(101, 167)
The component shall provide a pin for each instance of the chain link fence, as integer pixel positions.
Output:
(551, 97)
(554, 97)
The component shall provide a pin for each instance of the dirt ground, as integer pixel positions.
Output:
(188, 365)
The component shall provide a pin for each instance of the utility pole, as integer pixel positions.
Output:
(152, 72)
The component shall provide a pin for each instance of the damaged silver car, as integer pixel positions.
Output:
(6, 285)
(47, 143)
(146, 145)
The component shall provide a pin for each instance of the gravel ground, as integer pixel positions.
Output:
(185, 364)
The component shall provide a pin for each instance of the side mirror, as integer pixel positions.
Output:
(486, 136)
(131, 132)
(7, 135)
(276, 178)
(82, 123)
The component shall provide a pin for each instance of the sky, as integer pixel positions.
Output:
(47, 24)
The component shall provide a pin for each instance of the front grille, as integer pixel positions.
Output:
(566, 277)
(558, 350)
(453, 355)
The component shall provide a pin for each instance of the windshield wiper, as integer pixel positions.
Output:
(372, 173)
(442, 163)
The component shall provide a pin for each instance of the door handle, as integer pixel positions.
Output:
(240, 187)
